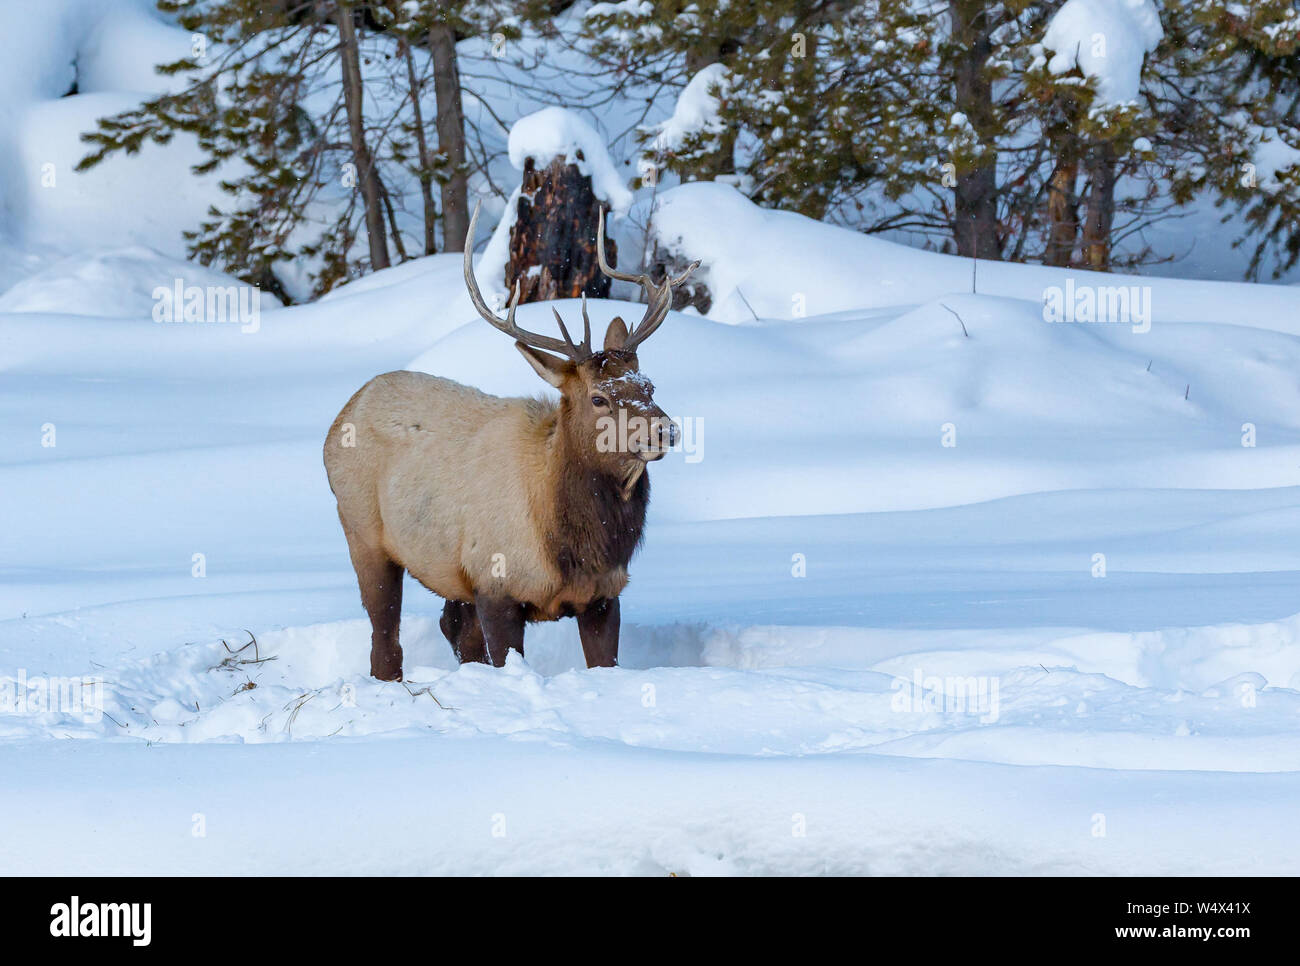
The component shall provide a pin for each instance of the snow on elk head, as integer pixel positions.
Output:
(607, 408)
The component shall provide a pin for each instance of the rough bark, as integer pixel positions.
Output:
(1101, 206)
(553, 240)
(975, 215)
(367, 173)
(451, 137)
(1062, 211)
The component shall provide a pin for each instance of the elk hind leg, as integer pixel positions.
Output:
(461, 626)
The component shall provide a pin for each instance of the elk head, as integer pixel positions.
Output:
(607, 412)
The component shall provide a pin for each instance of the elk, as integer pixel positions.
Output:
(513, 510)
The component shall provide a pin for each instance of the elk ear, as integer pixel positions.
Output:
(616, 334)
(551, 368)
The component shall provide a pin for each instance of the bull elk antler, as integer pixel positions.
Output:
(658, 298)
(508, 325)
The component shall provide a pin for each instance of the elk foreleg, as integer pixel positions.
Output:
(502, 620)
(461, 626)
(381, 593)
(598, 627)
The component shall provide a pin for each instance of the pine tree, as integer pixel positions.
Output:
(1255, 50)
(278, 98)
(252, 78)
(885, 114)
(802, 84)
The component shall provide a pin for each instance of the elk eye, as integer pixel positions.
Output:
(599, 401)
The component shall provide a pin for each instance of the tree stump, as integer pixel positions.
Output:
(553, 241)
(692, 292)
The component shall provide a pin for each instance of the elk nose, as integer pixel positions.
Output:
(668, 432)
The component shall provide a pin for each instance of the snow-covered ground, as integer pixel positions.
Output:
(814, 567)
(939, 587)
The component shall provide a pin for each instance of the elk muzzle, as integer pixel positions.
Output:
(661, 436)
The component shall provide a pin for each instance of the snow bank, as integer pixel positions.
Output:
(98, 45)
(146, 199)
(764, 264)
(125, 43)
(102, 49)
(1122, 701)
(117, 284)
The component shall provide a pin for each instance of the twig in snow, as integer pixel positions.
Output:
(293, 715)
(230, 663)
(959, 321)
(747, 305)
(428, 689)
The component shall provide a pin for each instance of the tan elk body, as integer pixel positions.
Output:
(511, 509)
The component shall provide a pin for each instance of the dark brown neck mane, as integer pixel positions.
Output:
(595, 528)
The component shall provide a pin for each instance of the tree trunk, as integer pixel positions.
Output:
(553, 241)
(1062, 211)
(392, 224)
(426, 160)
(975, 216)
(1101, 206)
(451, 137)
(369, 176)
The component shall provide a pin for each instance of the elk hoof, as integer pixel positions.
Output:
(387, 671)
